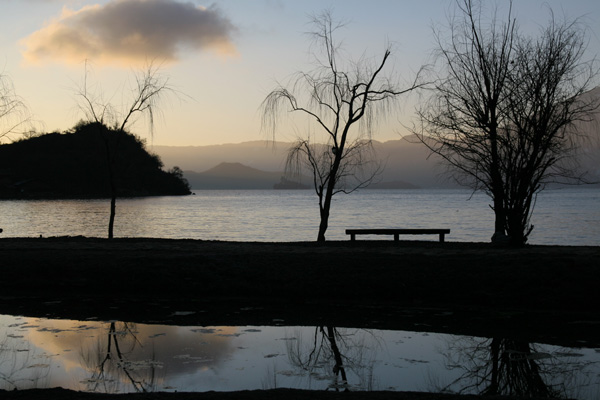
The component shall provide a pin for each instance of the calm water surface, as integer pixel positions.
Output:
(118, 357)
(564, 217)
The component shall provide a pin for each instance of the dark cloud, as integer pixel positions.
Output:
(126, 31)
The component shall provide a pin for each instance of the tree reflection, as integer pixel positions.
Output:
(20, 367)
(332, 355)
(508, 367)
(109, 364)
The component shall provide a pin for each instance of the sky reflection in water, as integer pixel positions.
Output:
(126, 357)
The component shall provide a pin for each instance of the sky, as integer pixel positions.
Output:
(222, 57)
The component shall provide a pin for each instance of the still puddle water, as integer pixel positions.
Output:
(118, 357)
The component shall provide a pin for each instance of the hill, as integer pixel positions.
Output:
(232, 176)
(75, 164)
(241, 177)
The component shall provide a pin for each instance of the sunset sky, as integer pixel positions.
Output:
(223, 56)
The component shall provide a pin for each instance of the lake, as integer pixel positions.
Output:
(121, 357)
(561, 217)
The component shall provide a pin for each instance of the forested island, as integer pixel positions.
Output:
(89, 161)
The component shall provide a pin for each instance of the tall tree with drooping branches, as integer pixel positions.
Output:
(344, 100)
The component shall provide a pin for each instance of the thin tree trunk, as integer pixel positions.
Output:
(113, 199)
(323, 225)
(497, 186)
(339, 364)
(113, 209)
(500, 213)
(111, 182)
(324, 212)
(492, 389)
(326, 205)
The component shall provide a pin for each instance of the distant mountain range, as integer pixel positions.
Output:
(260, 165)
(238, 176)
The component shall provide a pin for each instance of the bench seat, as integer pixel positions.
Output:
(397, 232)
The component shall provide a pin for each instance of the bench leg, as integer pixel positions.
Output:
(396, 237)
(442, 237)
(352, 236)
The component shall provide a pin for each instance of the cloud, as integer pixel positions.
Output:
(131, 31)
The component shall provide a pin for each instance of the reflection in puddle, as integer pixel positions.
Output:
(117, 357)
(500, 366)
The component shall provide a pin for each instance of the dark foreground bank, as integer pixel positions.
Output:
(538, 293)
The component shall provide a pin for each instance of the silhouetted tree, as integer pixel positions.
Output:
(150, 87)
(15, 119)
(502, 109)
(336, 96)
(178, 173)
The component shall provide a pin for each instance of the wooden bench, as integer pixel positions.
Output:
(397, 232)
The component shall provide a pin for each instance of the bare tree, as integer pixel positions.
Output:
(149, 89)
(548, 85)
(344, 99)
(15, 119)
(502, 108)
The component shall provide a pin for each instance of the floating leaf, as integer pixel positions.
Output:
(204, 330)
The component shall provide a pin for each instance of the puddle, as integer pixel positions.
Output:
(120, 357)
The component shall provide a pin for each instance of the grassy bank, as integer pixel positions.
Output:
(467, 288)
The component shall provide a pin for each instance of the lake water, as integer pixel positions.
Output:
(561, 217)
(119, 357)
